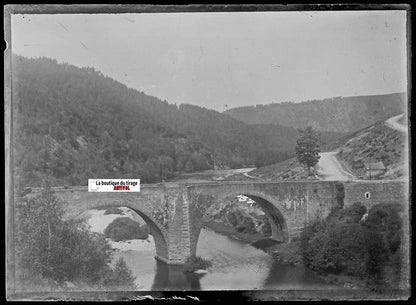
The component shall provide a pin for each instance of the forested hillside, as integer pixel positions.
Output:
(71, 124)
(339, 114)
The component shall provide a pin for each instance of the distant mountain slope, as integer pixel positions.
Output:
(339, 114)
(376, 144)
(71, 124)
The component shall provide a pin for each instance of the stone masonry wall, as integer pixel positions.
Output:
(373, 192)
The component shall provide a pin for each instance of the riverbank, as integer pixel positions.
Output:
(288, 253)
(285, 253)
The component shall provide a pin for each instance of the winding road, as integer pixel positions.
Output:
(329, 168)
(392, 123)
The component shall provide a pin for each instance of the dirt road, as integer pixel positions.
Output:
(329, 168)
(392, 123)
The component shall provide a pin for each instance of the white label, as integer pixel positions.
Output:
(114, 185)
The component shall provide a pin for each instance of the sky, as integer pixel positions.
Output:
(224, 60)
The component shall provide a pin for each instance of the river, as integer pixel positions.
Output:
(235, 266)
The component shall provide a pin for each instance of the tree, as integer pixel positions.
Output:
(121, 278)
(200, 162)
(307, 148)
(54, 251)
(166, 167)
(189, 166)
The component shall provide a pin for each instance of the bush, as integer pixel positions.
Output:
(385, 218)
(246, 225)
(266, 229)
(375, 255)
(241, 222)
(306, 245)
(50, 251)
(351, 214)
(194, 263)
(125, 228)
(121, 278)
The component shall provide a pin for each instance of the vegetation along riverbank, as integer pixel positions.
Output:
(351, 247)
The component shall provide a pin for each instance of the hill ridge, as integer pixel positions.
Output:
(341, 114)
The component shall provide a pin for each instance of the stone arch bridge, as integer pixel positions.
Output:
(174, 212)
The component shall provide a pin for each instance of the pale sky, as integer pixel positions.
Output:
(234, 59)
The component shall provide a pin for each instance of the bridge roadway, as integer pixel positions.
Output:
(174, 211)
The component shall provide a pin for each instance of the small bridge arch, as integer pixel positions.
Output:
(272, 209)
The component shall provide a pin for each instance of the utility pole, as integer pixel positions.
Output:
(369, 165)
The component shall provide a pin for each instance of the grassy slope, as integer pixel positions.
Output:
(289, 169)
(376, 143)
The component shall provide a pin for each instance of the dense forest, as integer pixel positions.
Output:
(71, 124)
(339, 114)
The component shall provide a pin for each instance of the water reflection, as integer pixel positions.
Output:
(170, 277)
(235, 266)
(284, 276)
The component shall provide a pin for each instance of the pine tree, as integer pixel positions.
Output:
(308, 148)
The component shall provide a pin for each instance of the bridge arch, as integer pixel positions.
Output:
(158, 233)
(277, 220)
(273, 211)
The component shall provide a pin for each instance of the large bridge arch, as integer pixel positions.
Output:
(160, 235)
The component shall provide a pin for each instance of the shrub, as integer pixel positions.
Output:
(266, 229)
(246, 225)
(351, 214)
(241, 222)
(194, 263)
(121, 278)
(385, 218)
(355, 212)
(307, 247)
(125, 228)
(375, 258)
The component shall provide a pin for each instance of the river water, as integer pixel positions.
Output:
(235, 266)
